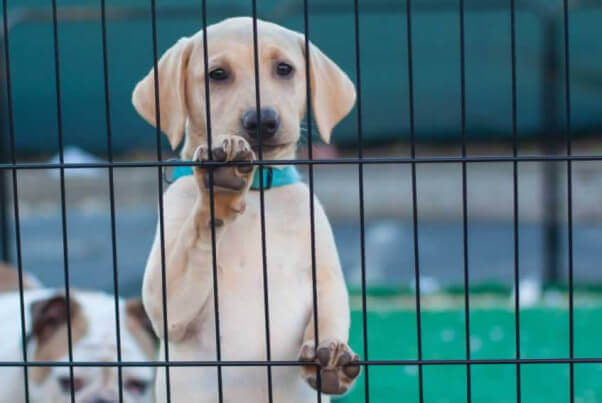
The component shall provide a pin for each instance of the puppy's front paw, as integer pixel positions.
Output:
(230, 183)
(336, 376)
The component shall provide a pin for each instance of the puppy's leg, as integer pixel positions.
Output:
(332, 353)
(188, 242)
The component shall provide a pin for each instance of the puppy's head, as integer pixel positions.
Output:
(232, 89)
(94, 339)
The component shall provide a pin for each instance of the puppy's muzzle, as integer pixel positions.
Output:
(261, 127)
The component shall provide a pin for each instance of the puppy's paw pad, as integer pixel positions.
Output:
(334, 358)
(234, 178)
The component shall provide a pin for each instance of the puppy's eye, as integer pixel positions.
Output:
(218, 74)
(284, 69)
(65, 384)
(136, 386)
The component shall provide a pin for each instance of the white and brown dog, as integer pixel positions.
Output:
(94, 339)
(188, 245)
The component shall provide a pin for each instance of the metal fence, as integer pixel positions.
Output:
(566, 157)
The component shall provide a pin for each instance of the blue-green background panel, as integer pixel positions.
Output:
(384, 79)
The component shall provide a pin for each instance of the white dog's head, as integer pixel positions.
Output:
(94, 340)
(231, 72)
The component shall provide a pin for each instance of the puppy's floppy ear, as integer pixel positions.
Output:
(172, 69)
(332, 92)
(49, 314)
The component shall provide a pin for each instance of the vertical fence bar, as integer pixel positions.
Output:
(160, 194)
(262, 201)
(569, 173)
(107, 96)
(61, 145)
(360, 154)
(310, 168)
(414, 199)
(218, 349)
(515, 199)
(465, 204)
(13, 156)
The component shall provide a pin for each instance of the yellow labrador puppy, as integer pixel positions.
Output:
(188, 246)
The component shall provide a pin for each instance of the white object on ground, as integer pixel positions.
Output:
(530, 292)
(76, 155)
(428, 285)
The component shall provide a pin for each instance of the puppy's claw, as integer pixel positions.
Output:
(307, 353)
(219, 154)
(352, 371)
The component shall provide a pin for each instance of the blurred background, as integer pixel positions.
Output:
(389, 241)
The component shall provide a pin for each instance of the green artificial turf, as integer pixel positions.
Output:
(543, 334)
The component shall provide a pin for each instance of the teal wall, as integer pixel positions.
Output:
(383, 66)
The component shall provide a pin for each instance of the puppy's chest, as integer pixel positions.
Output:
(241, 283)
(285, 244)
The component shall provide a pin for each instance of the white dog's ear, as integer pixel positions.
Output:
(332, 92)
(172, 68)
(49, 314)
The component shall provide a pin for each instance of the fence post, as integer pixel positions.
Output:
(551, 141)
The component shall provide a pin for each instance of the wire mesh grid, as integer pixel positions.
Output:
(360, 161)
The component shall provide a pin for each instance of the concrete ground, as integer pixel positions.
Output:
(388, 215)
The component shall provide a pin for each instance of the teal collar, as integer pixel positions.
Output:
(272, 176)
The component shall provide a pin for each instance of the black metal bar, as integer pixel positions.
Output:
(331, 161)
(107, 95)
(160, 195)
(465, 204)
(182, 364)
(220, 391)
(414, 198)
(218, 346)
(61, 145)
(360, 154)
(262, 199)
(7, 87)
(515, 199)
(569, 173)
(310, 168)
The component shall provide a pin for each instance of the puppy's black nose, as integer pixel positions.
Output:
(269, 122)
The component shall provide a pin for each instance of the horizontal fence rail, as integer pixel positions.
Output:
(509, 361)
(331, 161)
